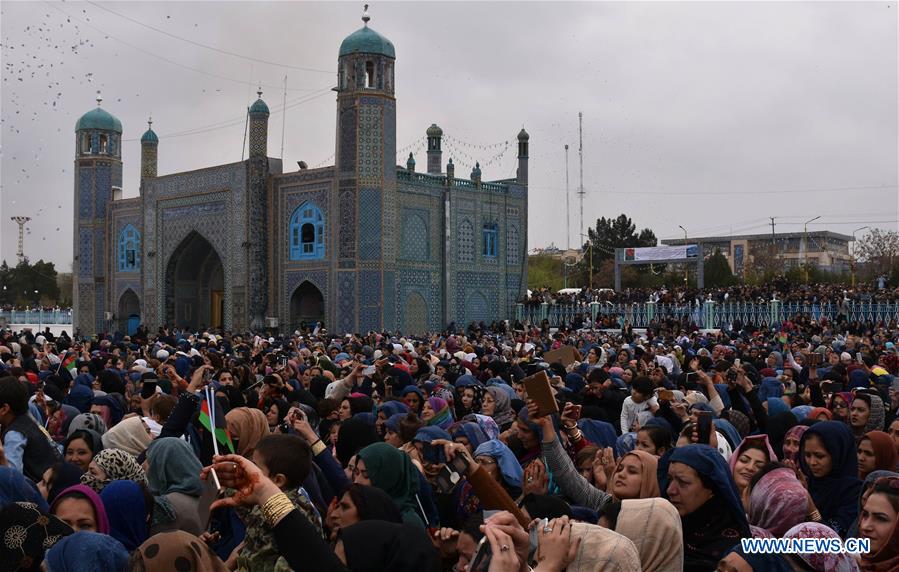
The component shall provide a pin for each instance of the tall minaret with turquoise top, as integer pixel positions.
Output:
(98, 168)
(366, 172)
(257, 206)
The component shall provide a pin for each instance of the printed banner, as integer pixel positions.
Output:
(661, 253)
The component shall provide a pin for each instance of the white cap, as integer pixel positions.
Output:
(845, 356)
(162, 355)
(140, 362)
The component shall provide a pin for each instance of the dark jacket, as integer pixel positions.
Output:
(40, 453)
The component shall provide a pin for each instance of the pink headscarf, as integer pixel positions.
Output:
(796, 433)
(778, 502)
(772, 456)
(822, 562)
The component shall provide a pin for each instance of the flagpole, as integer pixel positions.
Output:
(215, 443)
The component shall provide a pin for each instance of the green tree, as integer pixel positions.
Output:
(609, 234)
(29, 284)
(717, 272)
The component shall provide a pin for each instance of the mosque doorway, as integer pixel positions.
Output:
(307, 306)
(128, 312)
(195, 285)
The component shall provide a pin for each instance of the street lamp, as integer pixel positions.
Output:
(852, 263)
(805, 245)
(686, 266)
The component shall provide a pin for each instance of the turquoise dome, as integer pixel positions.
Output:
(259, 106)
(367, 41)
(149, 137)
(98, 119)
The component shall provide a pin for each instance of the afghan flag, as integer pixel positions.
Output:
(69, 364)
(221, 432)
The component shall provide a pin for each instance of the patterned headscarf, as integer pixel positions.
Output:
(178, 550)
(795, 433)
(90, 421)
(822, 561)
(778, 501)
(118, 465)
(443, 416)
(28, 532)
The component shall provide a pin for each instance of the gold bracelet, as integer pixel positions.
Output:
(815, 516)
(577, 436)
(276, 508)
(318, 447)
(569, 427)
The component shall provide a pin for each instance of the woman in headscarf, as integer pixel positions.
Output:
(128, 513)
(828, 460)
(112, 465)
(654, 527)
(414, 398)
(776, 427)
(247, 426)
(791, 443)
(698, 482)
(90, 421)
(602, 549)
(822, 561)
(81, 396)
(28, 533)
(839, 406)
(865, 414)
(634, 476)
(436, 413)
(778, 501)
(174, 479)
(87, 552)
(498, 460)
(470, 398)
(876, 452)
(386, 410)
(879, 523)
(753, 453)
(469, 434)
(81, 508)
(108, 408)
(59, 422)
(275, 411)
(81, 447)
(867, 485)
(354, 434)
(498, 404)
(360, 502)
(58, 478)
(392, 471)
(130, 435)
(373, 546)
(176, 550)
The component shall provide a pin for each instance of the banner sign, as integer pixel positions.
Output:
(661, 253)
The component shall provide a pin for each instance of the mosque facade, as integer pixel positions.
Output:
(360, 245)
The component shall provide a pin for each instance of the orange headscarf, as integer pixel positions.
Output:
(649, 482)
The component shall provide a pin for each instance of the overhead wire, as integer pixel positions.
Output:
(201, 45)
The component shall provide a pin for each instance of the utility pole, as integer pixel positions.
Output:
(853, 260)
(686, 266)
(580, 131)
(567, 205)
(805, 245)
(21, 221)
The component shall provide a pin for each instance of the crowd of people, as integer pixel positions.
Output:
(654, 452)
(779, 288)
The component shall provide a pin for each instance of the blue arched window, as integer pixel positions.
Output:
(129, 250)
(491, 237)
(307, 233)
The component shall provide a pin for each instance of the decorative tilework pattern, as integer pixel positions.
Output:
(415, 243)
(346, 301)
(476, 307)
(427, 284)
(85, 192)
(85, 256)
(466, 241)
(415, 320)
(370, 224)
(347, 228)
(102, 188)
(513, 248)
(389, 298)
(369, 300)
(370, 144)
(487, 284)
(347, 121)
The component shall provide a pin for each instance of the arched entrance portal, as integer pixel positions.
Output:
(128, 312)
(195, 285)
(307, 305)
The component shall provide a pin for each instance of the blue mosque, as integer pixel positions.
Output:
(360, 245)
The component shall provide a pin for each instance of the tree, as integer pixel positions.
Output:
(29, 284)
(610, 234)
(717, 271)
(880, 249)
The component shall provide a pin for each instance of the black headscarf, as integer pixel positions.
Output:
(777, 427)
(545, 506)
(29, 533)
(374, 504)
(352, 437)
(374, 546)
(65, 475)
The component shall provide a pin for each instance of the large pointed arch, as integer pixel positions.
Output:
(307, 306)
(128, 312)
(195, 284)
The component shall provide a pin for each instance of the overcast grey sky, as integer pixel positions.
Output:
(710, 115)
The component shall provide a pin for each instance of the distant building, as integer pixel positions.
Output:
(827, 250)
(364, 244)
